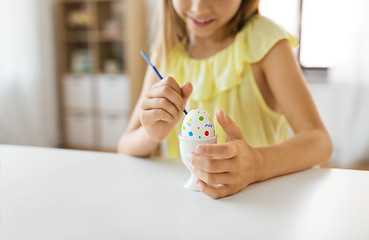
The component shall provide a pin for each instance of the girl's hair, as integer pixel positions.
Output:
(173, 28)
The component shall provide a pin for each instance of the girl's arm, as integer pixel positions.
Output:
(311, 144)
(134, 141)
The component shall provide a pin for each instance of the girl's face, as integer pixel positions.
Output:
(204, 18)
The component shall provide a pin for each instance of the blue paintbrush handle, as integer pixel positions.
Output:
(156, 71)
(149, 62)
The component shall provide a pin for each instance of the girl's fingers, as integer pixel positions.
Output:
(154, 115)
(212, 165)
(160, 103)
(215, 192)
(225, 150)
(170, 82)
(168, 93)
(186, 91)
(213, 178)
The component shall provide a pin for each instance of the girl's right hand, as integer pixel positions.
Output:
(163, 106)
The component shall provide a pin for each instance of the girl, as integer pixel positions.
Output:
(243, 71)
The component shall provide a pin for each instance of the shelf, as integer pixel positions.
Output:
(95, 40)
(111, 53)
(85, 36)
(79, 57)
(78, 36)
(94, 1)
(77, 15)
(110, 15)
(104, 36)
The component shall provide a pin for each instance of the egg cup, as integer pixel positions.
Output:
(186, 146)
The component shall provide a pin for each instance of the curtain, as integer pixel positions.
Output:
(344, 109)
(28, 107)
(343, 101)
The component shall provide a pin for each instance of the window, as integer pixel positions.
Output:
(284, 12)
(309, 21)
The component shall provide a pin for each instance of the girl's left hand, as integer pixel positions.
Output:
(230, 166)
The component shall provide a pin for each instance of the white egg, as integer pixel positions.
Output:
(197, 125)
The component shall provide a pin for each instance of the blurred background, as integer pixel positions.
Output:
(71, 72)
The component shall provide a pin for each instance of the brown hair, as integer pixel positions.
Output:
(173, 28)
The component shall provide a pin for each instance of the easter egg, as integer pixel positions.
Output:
(197, 125)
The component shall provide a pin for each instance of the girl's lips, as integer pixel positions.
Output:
(201, 23)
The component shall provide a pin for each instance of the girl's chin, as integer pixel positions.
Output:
(204, 32)
(201, 34)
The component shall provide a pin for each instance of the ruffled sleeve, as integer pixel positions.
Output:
(224, 70)
(257, 38)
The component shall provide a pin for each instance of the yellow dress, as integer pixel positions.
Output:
(225, 81)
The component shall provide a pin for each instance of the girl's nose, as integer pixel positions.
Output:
(200, 6)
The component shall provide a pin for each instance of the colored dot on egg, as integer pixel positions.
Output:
(184, 127)
(190, 133)
(201, 118)
(198, 112)
(206, 133)
(199, 136)
(198, 127)
(190, 120)
(210, 118)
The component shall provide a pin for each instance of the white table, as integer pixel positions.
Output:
(67, 194)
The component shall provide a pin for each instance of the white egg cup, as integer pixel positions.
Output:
(186, 146)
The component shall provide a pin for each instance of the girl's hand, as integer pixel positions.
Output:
(232, 165)
(163, 106)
